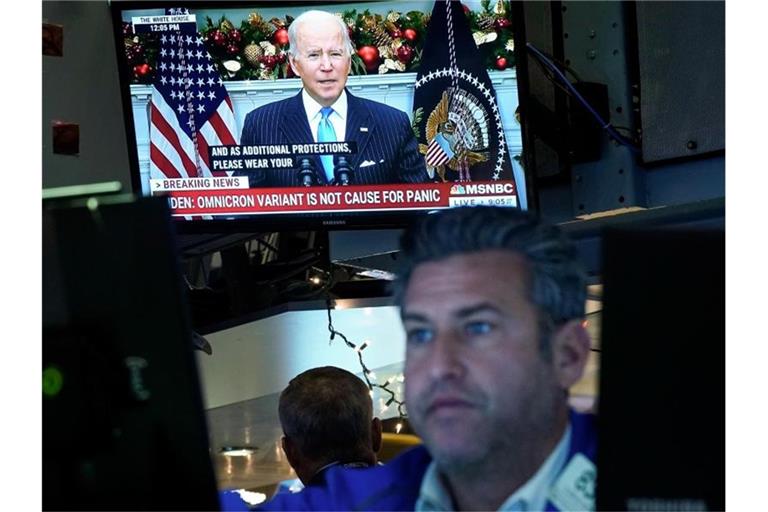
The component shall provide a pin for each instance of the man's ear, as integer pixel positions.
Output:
(291, 58)
(376, 429)
(570, 352)
(290, 451)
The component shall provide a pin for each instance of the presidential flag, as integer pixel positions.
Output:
(190, 109)
(455, 110)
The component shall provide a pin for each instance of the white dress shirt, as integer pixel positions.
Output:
(338, 117)
(531, 496)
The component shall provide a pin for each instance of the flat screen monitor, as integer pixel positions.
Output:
(123, 420)
(198, 79)
(661, 414)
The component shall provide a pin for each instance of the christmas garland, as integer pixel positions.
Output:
(391, 43)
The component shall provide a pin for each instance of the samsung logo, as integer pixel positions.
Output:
(334, 222)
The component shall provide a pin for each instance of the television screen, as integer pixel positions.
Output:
(235, 126)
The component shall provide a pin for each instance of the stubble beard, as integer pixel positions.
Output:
(517, 442)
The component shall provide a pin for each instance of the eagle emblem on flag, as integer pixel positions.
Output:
(457, 131)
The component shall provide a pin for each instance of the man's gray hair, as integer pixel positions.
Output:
(327, 412)
(558, 281)
(315, 15)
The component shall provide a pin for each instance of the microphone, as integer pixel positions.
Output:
(342, 171)
(307, 173)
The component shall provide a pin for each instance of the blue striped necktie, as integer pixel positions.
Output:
(326, 133)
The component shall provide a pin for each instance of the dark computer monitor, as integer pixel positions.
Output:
(662, 375)
(123, 421)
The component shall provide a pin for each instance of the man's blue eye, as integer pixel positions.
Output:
(478, 328)
(419, 336)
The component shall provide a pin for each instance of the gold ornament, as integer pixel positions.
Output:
(381, 37)
(499, 8)
(253, 53)
(385, 52)
(486, 21)
(226, 25)
(255, 19)
(393, 16)
(369, 23)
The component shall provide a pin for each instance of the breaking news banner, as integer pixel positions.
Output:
(162, 186)
(272, 156)
(340, 198)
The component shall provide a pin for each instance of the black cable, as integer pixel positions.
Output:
(384, 387)
(268, 246)
(577, 95)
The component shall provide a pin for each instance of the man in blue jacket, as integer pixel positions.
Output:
(492, 302)
(324, 111)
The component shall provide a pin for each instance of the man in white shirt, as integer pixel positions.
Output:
(492, 305)
(492, 302)
(324, 111)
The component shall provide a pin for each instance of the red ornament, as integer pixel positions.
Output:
(235, 36)
(370, 56)
(127, 29)
(233, 49)
(270, 61)
(282, 57)
(502, 23)
(466, 9)
(280, 37)
(410, 34)
(136, 54)
(405, 54)
(501, 63)
(142, 70)
(396, 33)
(219, 39)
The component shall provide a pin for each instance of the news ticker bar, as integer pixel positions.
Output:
(237, 200)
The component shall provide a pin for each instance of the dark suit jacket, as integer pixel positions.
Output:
(388, 142)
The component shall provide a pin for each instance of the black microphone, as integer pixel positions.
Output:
(307, 173)
(342, 171)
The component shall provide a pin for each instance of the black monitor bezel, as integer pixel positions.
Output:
(360, 220)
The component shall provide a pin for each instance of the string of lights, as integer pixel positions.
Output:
(368, 375)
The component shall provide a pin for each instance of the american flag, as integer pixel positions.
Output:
(190, 108)
(436, 152)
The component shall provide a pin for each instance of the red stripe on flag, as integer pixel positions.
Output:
(202, 148)
(170, 134)
(221, 129)
(162, 163)
(436, 155)
(229, 102)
